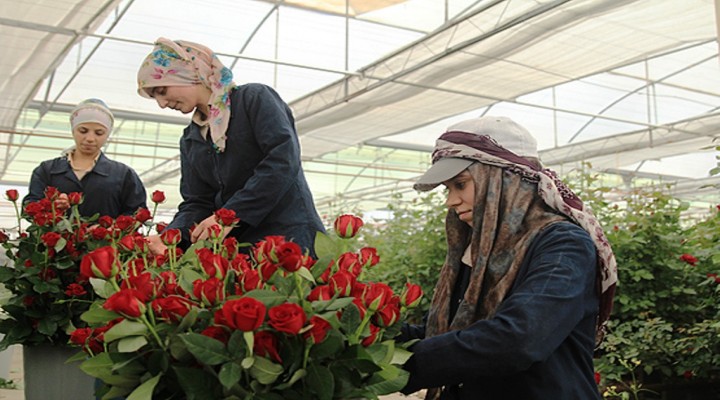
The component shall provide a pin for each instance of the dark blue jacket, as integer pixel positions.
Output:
(539, 345)
(111, 188)
(259, 175)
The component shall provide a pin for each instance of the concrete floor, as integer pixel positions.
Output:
(16, 375)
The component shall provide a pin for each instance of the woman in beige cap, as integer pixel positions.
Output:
(109, 187)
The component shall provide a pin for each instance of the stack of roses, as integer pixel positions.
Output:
(48, 292)
(227, 322)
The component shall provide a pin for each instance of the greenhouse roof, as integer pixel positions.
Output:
(626, 87)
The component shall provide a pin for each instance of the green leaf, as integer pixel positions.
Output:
(205, 349)
(197, 383)
(98, 365)
(389, 380)
(247, 362)
(320, 380)
(188, 320)
(102, 287)
(331, 305)
(131, 343)
(265, 371)
(305, 274)
(400, 356)
(236, 345)
(47, 327)
(99, 315)
(325, 246)
(124, 329)
(230, 374)
(145, 391)
(268, 297)
(60, 244)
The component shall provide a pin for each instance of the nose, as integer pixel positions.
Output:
(161, 102)
(452, 200)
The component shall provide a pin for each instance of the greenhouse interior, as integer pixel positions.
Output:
(626, 92)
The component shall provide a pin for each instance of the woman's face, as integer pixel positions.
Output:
(181, 98)
(90, 137)
(461, 196)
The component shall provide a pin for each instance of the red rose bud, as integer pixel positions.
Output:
(50, 239)
(250, 280)
(158, 196)
(689, 259)
(100, 263)
(411, 296)
(171, 237)
(210, 291)
(245, 314)
(75, 198)
(125, 222)
(12, 195)
(266, 345)
(105, 221)
(226, 217)
(215, 231)
(320, 293)
(216, 333)
(125, 303)
(389, 313)
(160, 227)
(75, 290)
(369, 257)
(347, 226)
(287, 318)
(51, 193)
(290, 256)
(142, 215)
(172, 308)
(342, 283)
(127, 243)
(319, 330)
(374, 330)
(3, 237)
(598, 377)
(377, 295)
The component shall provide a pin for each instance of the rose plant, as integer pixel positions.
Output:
(49, 292)
(228, 321)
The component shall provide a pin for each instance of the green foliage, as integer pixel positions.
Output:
(413, 247)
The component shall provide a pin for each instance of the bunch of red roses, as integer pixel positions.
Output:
(264, 322)
(48, 290)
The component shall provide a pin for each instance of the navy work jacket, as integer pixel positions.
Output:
(259, 175)
(539, 344)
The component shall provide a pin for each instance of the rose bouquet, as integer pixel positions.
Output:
(223, 321)
(48, 292)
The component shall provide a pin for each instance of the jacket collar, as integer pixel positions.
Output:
(102, 166)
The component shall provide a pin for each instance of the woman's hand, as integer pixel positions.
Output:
(62, 203)
(156, 245)
(202, 230)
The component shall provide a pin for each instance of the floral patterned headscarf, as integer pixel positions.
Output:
(181, 63)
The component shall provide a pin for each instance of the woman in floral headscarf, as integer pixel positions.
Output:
(240, 152)
(528, 280)
(109, 187)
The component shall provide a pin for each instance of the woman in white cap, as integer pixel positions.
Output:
(240, 151)
(528, 281)
(109, 187)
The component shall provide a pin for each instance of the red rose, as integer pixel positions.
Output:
(374, 330)
(210, 291)
(12, 195)
(158, 196)
(265, 248)
(213, 264)
(369, 257)
(50, 239)
(143, 284)
(216, 333)
(100, 263)
(319, 330)
(75, 290)
(389, 313)
(171, 237)
(125, 223)
(245, 314)
(99, 233)
(322, 292)
(3, 237)
(231, 247)
(105, 221)
(411, 296)
(689, 259)
(266, 345)
(127, 243)
(126, 303)
(267, 269)
(250, 280)
(377, 295)
(350, 262)
(290, 256)
(75, 198)
(342, 283)
(597, 378)
(288, 318)
(226, 217)
(142, 215)
(172, 308)
(347, 226)
(160, 227)
(688, 374)
(80, 336)
(51, 193)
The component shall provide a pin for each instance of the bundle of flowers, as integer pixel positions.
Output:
(223, 321)
(42, 269)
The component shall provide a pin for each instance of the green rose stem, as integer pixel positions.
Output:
(355, 338)
(17, 215)
(300, 293)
